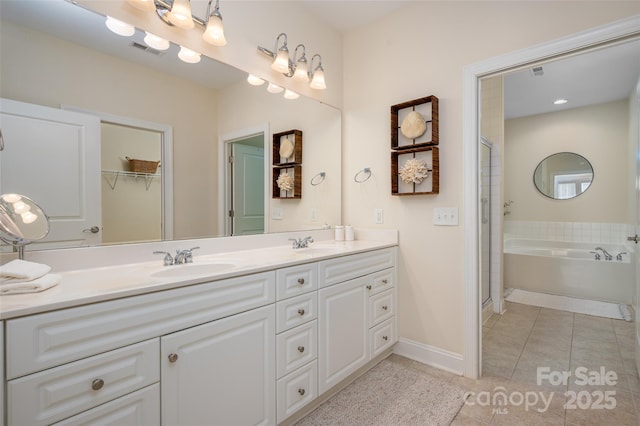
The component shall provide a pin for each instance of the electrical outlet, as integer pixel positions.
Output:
(379, 215)
(445, 216)
(314, 214)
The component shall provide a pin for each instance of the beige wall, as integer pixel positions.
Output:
(38, 69)
(421, 50)
(599, 133)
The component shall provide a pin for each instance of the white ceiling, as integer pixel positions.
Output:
(600, 75)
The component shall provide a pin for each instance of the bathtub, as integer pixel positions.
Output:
(569, 269)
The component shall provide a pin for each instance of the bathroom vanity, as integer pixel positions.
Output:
(250, 344)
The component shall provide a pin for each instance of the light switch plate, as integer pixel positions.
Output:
(277, 214)
(379, 215)
(445, 216)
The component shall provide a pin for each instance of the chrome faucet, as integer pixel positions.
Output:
(301, 242)
(607, 256)
(184, 256)
(168, 259)
(619, 256)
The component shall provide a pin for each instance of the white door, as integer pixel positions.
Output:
(343, 331)
(53, 157)
(221, 373)
(247, 195)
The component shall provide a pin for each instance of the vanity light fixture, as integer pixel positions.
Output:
(156, 42)
(180, 14)
(561, 101)
(290, 94)
(189, 56)
(317, 75)
(214, 31)
(255, 81)
(298, 67)
(274, 88)
(119, 27)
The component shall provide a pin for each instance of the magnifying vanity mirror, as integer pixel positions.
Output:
(563, 175)
(22, 221)
(59, 56)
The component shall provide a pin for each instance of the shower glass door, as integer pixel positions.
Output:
(485, 222)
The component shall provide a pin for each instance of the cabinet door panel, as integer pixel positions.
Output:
(223, 372)
(343, 331)
(339, 269)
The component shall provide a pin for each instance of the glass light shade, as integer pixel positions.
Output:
(11, 198)
(28, 217)
(281, 61)
(180, 14)
(156, 42)
(146, 5)
(302, 73)
(21, 207)
(255, 81)
(274, 88)
(119, 27)
(189, 56)
(288, 94)
(214, 33)
(317, 82)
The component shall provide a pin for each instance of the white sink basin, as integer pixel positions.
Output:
(191, 270)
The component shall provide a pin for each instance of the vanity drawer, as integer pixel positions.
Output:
(382, 337)
(381, 307)
(337, 270)
(296, 347)
(381, 281)
(55, 394)
(296, 311)
(140, 408)
(296, 280)
(46, 340)
(296, 390)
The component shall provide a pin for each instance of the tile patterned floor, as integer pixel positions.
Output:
(526, 338)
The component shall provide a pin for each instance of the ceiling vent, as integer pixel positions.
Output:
(537, 71)
(147, 49)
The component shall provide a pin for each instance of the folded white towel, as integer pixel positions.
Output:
(34, 286)
(21, 271)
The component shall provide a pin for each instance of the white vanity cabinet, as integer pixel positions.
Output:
(356, 313)
(222, 372)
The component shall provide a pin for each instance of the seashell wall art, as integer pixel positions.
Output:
(414, 171)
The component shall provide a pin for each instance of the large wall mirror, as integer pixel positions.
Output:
(563, 175)
(59, 56)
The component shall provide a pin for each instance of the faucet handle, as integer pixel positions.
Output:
(168, 260)
(188, 258)
(619, 256)
(597, 255)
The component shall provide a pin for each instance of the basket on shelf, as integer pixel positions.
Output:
(142, 166)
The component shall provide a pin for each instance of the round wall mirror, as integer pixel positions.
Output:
(22, 221)
(563, 175)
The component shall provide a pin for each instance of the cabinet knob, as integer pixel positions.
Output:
(300, 349)
(301, 391)
(300, 312)
(385, 307)
(300, 281)
(385, 281)
(385, 338)
(173, 357)
(369, 287)
(97, 384)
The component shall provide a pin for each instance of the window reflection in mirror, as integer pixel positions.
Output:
(563, 175)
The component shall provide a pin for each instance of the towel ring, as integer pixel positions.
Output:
(318, 179)
(366, 172)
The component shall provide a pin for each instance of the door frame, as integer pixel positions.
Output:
(610, 33)
(224, 184)
(166, 176)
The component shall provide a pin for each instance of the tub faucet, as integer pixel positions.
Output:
(607, 256)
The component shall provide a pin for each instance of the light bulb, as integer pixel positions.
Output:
(119, 27)
(317, 82)
(28, 217)
(214, 33)
(274, 88)
(289, 94)
(255, 81)
(189, 56)
(156, 42)
(146, 5)
(20, 207)
(180, 14)
(281, 61)
(11, 198)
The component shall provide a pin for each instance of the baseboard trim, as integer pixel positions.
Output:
(430, 355)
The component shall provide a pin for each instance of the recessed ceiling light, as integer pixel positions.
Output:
(560, 101)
